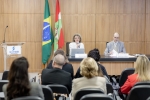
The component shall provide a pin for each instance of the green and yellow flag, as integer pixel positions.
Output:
(47, 36)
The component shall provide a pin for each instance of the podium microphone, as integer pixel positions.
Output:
(4, 34)
(78, 45)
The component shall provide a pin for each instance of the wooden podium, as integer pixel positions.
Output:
(11, 49)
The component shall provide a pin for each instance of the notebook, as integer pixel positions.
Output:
(76, 51)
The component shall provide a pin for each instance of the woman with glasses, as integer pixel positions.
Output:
(76, 42)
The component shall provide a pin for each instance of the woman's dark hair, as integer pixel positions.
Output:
(18, 85)
(95, 54)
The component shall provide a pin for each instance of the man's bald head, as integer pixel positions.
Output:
(116, 37)
(59, 60)
(116, 34)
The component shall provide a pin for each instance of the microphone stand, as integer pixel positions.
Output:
(4, 34)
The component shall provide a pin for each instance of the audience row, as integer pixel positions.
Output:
(91, 74)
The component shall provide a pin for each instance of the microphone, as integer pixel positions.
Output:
(78, 44)
(4, 34)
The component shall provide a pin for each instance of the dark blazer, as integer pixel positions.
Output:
(66, 67)
(78, 75)
(56, 76)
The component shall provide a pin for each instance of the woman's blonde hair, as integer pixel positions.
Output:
(142, 68)
(78, 36)
(89, 68)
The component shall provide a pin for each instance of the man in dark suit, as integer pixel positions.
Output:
(57, 75)
(66, 67)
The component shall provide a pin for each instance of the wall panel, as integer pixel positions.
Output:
(102, 27)
(1, 6)
(86, 27)
(70, 26)
(2, 27)
(147, 6)
(86, 6)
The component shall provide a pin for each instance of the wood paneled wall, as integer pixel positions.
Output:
(95, 20)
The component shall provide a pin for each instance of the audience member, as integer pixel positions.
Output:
(95, 54)
(142, 73)
(116, 45)
(57, 75)
(66, 67)
(90, 79)
(19, 84)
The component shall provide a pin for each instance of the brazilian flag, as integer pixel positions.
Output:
(47, 36)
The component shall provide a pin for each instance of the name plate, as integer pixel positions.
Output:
(13, 50)
(80, 55)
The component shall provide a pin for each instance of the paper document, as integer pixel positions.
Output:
(114, 53)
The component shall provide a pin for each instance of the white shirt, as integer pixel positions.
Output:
(74, 45)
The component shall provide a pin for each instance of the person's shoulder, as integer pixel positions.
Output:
(76, 80)
(36, 87)
(34, 84)
(109, 43)
(65, 72)
(100, 65)
(121, 42)
(71, 43)
(101, 79)
(50, 65)
(132, 76)
(46, 70)
(67, 65)
(4, 87)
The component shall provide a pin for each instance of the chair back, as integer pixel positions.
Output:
(5, 75)
(106, 43)
(57, 88)
(48, 94)
(96, 96)
(124, 75)
(2, 82)
(83, 92)
(67, 48)
(141, 92)
(28, 98)
(109, 88)
(142, 83)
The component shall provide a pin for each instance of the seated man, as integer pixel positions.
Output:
(116, 45)
(66, 67)
(57, 75)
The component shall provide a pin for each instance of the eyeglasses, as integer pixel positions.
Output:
(116, 37)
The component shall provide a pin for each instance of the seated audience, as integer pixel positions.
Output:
(95, 54)
(76, 42)
(57, 75)
(19, 84)
(66, 67)
(142, 73)
(90, 79)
